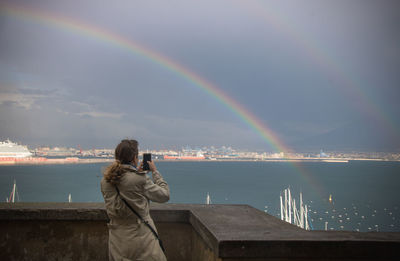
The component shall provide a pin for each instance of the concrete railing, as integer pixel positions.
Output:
(78, 231)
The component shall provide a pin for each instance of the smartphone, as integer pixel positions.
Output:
(146, 158)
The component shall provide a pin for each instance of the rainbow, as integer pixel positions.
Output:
(350, 84)
(79, 27)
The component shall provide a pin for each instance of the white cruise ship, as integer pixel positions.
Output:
(9, 149)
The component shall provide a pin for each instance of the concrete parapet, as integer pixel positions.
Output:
(78, 231)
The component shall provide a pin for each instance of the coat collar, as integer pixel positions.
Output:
(132, 168)
(129, 166)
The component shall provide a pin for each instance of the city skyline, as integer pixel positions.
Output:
(202, 148)
(261, 75)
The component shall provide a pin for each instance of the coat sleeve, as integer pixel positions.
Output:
(156, 190)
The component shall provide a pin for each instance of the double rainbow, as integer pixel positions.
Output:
(79, 27)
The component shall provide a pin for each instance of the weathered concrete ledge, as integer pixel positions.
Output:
(225, 232)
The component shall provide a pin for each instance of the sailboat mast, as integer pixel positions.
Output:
(286, 212)
(301, 211)
(290, 209)
(295, 221)
(13, 191)
(208, 199)
(306, 219)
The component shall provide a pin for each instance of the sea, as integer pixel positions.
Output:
(365, 194)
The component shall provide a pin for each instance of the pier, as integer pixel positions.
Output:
(78, 231)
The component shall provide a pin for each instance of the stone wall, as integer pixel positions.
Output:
(53, 240)
(78, 231)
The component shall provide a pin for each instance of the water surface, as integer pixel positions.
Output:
(365, 194)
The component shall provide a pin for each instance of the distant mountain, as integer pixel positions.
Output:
(361, 135)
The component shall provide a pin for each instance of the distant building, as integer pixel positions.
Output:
(323, 154)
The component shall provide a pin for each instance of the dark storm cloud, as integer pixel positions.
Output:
(286, 62)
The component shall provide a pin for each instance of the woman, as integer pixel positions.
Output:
(129, 238)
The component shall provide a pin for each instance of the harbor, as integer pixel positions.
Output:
(12, 153)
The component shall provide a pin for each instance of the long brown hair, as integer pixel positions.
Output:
(125, 153)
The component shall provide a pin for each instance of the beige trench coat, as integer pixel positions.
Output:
(129, 239)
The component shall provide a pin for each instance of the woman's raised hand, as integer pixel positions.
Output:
(152, 166)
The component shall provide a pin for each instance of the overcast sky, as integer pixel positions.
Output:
(319, 74)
